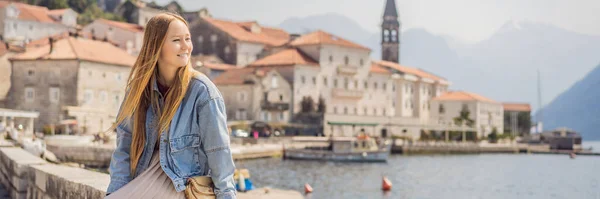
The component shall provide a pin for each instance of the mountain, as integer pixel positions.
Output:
(503, 67)
(577, 108)
(333, 23)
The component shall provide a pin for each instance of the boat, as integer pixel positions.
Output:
(344, 149)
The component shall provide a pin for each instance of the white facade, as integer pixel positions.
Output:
(14, 28)
(247, 52)
(100, 91)
(128, 40)
(486, 115)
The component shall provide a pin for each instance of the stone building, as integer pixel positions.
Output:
(255, 94)
(21, 22)
(70, 78)
(127, 36)
(236, 43)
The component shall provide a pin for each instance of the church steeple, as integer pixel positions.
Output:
(390, 33)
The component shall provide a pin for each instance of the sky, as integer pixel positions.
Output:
(469, 21)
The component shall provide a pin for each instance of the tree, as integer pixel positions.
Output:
(493, 137)
(80, 6)
(52, 4)
(321, 107)
(464, 118)
(307, 104)
(93, 12)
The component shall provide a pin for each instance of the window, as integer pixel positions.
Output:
(362, 62)
(330, 58)
(314, 80)
(366, 85)
(103, 96)
(355, 111)
(241, 96)
(345, 110)
(393, 88)
(119, 76)
(375, 85)
(274, 82)
(281, 116)
(374, 111)
(346, 83)
(240, 114)
(335, 110)
(325, 81)
(280, 97)
(465, 107)
(15, 26)
(302, 79)
(365, 111)
(30, 72)
(355, 84)
(265, 116)
(346, 60)
(117, 99)
(213, 38)
(30, 27)
(54, 94)
(200, 39)
(411, 105)
(335, 83)
(442, 109)
(394, 35)
(103, 75)
(383, 110)
(90, 73)
(88, 96)
(384, 86)
(226, 50)
(386, 35)
(29, 94)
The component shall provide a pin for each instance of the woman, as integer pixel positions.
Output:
(172, 124)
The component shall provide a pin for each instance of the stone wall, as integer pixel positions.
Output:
(27, 176)
(89, 155)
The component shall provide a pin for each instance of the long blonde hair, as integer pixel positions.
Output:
(140, 95)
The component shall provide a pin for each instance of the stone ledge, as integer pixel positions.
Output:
(27, 176)
(67, 182)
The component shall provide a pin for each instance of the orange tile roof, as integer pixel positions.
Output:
(379, 69)
(272, 32)
(268, 36)
(234, 76)
(321, 37)
(81, 49)
(521, 107)
(30, 12)
(122, 25)
(404, 69)
(462, 96)
(287, 57)
(219, 66)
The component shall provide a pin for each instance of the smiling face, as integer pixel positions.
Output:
(177, 47)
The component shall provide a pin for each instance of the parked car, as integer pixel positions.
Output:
(240, 133)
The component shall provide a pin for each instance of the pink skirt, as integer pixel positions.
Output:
(152, 183)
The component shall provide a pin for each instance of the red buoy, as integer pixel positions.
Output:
(307, 188)
(386, 185)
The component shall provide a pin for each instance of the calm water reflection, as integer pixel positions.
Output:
(455, 176)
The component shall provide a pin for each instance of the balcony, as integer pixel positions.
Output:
(347, 70)
(344, 93)
(274, 106)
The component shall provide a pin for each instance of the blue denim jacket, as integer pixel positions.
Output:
(197, 142)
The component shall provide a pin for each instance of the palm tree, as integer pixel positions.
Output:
(464, 119)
